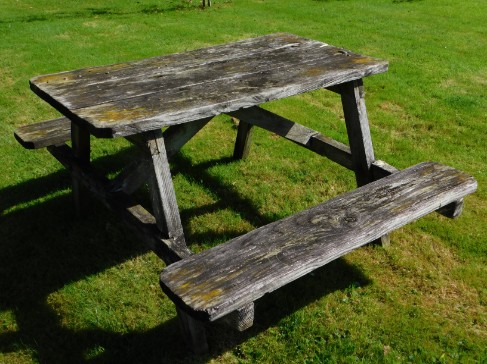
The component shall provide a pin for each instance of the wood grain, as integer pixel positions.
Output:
(128, 98)
(44, 133)
(218, 281)
(133, 215)
(297, 133)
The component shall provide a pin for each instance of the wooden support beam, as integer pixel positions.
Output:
(175, 136)
(80, 138)
(243, 141)
(297, 133)
(132, 214)
(360, 141)
(163, 197)
(132, 177)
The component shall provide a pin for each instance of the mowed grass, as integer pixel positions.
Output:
(86, 290)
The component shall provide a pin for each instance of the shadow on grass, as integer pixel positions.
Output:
(147, 9)
(45, 248)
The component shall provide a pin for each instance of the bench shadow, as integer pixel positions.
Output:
(44, 248)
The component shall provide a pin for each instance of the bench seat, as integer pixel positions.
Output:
(44, 134)
(232, 275)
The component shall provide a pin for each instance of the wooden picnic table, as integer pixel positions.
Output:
(181, 93)
(184, 91)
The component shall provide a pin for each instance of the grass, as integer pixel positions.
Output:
(86, 291)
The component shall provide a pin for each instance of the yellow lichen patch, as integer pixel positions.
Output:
(113, 115)
(208, 296)
(314, 71)
(363, 60)
(202, 296)
(109, 68)
(55, 78)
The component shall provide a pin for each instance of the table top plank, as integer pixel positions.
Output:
(99, 87)
(128, 98)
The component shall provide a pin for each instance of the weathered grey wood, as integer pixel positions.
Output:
(177, 136)
(243, 140)
(381, 169)
(360, 141)
(45, 133)
(297, 133)
(218, 281)
(242, 318)
(332, 149)
(126, 99)
(452, 210)
(132, 214)
(132, 177)
(80, 139)
(163, 197)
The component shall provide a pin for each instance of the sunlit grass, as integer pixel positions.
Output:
(87, 291)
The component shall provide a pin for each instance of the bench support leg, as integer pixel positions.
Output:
(194, 332)
(80, 138)
(452, 210)
(241, 319)
(243, 141)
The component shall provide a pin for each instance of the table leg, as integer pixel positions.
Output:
(80, 139)
(164, 204)
(360, 140)
(166, 212)
(243, 141)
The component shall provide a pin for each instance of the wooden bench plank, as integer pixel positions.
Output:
(44, 134)
(218, 281)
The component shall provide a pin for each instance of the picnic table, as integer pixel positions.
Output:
(180, 93)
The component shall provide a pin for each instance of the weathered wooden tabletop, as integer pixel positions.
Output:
(129, 98)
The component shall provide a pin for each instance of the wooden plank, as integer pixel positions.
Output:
(150, 95)
(45, 133)
(381, 169)
(297, 133)
(177, 136)
(243, 140)
(176, 62)
(132, 177)
(91, 88)
(215, 282)
(163, 197)
(360, 140)
(80, 140)
(134, 216)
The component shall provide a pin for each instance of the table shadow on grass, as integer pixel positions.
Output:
(44, 248)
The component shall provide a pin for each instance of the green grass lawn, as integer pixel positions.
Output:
(87, 291)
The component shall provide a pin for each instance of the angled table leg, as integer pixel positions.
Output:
(80, 139)
(355, 112)
(166, 212)
(163, 197)
(353, 102)
(243, 141)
